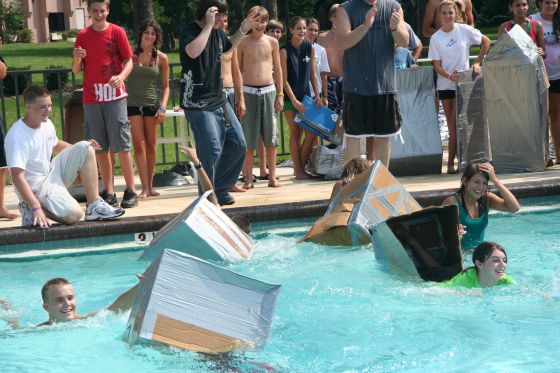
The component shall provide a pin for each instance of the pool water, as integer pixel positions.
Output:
(338, 311)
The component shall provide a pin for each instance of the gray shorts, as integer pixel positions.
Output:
(108, 124)
(53, 191)
(260, 117)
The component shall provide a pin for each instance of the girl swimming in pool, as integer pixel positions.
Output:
(490, 262)
(475, 201)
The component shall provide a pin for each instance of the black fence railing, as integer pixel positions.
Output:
(61, 86)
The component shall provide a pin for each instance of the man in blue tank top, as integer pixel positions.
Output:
(368, 30)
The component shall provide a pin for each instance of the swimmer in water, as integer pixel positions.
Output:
(60, 302)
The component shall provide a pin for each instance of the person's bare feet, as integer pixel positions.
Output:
(274, 183)
(302, 176)
(6, 214)
(237, 189)
(248, 185)
(153, 193)
(144, 194)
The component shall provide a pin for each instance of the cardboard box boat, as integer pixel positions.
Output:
(205, 231)
(192, 304)
(435, 229)
(369, 199)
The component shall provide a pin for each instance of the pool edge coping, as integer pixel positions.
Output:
(292, 210)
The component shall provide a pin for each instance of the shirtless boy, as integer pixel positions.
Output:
(259, 56)
(233, 83)
(334, 55)
(431, 24)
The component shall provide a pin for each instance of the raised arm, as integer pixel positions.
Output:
(507, 202)
(245, 27)
(398, 28)
(195, 47)
(346, 37)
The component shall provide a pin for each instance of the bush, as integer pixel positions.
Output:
(70, 33)
(52, 78)
(25, 36)
(23, 81)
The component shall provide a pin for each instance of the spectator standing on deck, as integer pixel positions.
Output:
(259, 56)
(103, 53)
(549, 17)
(296, 57)
(367, 30)
(219, 139)
(145, 109)
(449, 51)
(321, 61)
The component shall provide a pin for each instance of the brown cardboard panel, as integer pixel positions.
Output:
(190, 337)
(380, 208)
(393, 198)
(383, 179)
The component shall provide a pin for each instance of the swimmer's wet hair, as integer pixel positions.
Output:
(353, 168)
(483, 251)
(242, 222)
(52, 282)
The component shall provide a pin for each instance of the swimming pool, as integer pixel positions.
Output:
(338, 311)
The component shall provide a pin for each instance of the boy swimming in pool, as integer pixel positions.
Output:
(60, 302)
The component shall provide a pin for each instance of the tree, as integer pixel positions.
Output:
(142, 9)
(272, 8)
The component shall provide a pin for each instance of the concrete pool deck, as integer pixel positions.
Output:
(295, 199)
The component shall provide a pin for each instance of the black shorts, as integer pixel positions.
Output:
(144, 111)
(446, 94)
(378, 115)
(554, 86)
(2, 151)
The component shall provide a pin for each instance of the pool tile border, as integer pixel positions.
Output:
(85, 230)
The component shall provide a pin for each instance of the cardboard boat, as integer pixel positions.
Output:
(435, 229)
(192, 304)
(202, 230)
(369, 199)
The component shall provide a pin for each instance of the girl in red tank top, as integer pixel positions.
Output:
(533, 28)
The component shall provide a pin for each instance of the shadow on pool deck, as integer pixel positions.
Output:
(295, 199)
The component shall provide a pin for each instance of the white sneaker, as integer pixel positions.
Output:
(26, 214)
(101, 210)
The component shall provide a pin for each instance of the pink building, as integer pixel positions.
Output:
(45, 17)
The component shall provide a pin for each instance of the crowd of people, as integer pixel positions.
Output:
(232, 91)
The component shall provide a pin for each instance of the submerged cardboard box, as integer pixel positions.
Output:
(191, 304)
(435, 229)
(369, 199)
(205, 231)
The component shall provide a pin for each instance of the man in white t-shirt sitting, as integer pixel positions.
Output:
(41, 184)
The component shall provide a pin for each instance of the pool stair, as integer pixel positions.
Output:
(435, 229)
(369, 199)
(192, 304)
(204, 231)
